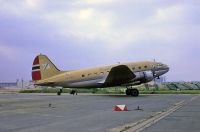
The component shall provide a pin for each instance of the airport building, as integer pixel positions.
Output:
(16, 85)
(10, 84)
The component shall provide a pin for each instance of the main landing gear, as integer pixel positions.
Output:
(132, 92)
(73, 92)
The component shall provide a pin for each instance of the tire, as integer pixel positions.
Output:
(59, 93)
(134, 92)
(128, 92)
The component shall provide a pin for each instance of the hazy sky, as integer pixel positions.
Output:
(82, 33)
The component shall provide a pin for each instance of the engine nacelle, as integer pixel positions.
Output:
(144, 76)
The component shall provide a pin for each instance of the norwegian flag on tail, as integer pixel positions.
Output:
(36, 74)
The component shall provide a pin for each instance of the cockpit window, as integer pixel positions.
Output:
(159, 64)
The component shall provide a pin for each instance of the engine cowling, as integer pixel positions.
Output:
(144, 76)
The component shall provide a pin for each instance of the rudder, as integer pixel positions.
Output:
(43, 68)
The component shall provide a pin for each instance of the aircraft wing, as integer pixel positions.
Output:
(119, 75)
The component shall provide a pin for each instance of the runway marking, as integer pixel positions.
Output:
(147, 122)
(194, 98)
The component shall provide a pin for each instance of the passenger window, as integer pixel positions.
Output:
(145, 66)
(133, 68)
(139, 67)
(83, 75)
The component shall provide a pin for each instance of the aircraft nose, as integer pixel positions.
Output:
(166, 68)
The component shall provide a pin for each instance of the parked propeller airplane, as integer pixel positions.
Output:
(45, 73)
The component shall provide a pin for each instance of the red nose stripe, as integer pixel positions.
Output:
(36, 61)
(36, 75)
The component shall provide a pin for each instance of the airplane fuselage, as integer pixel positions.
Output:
(96, 77)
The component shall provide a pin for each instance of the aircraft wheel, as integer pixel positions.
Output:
(128, 92)
(58, 93)
(134, 92)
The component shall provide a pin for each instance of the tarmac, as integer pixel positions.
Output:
(94, 113)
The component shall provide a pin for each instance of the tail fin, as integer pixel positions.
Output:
(43, 68)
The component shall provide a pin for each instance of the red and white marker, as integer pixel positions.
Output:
(120, 108)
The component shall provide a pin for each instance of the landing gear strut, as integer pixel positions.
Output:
(132, 92)
(128, 91)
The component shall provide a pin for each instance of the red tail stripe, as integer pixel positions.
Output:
(36, 61)
(36, 75)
